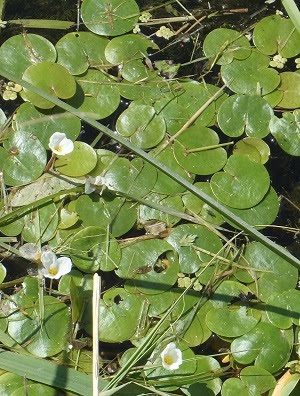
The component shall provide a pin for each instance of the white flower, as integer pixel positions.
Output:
(92, 182)
(60, 144)
(171, 357)
(55, 267)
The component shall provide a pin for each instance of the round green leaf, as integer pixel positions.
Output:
(141, 126)
(159, 303)
(276, 34)
(245, 113)
(13, 226)
(106, 210)
(184, 237)
(198, 332)
(26, 158)
(254, 148)
(51, 78)
(77, 51)
(191, 96)
(36, 390)
(135, 177)
(19, 52)
(64, 282)
(205, 365)
(93, 248)
(286, 131)
(265, 344)
(283, 309)
(43, 123)
(196, 206)
(194, 153)
(151, 264)
(271, 266)
(128, 47)
(290, 86)
(175, 115)
(231, 321)
(119, 315)
(44, 340)
(250, 76)
(243, 183)
(40, 224)
(234, 386)
(164, 184)
(109, 18)
(224, 45)
(79, 162)
(96, 95)
(147, 214)
(257, 379)
(262, 214)
(10, 382)
(226, 292)
(135, 71)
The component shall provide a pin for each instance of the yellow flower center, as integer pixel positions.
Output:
(168, 360)
(53, 270)
(58, 148)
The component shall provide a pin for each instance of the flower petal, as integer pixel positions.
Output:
(66, 146)
(48, 259)
(64, 266)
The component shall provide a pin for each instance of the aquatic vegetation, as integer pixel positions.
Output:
(167, 207)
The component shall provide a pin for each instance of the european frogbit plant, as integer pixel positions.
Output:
(60, 144)
(171, 357)
(55, 267)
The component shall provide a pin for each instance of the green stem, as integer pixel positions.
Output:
(196, 150)
(293, 12)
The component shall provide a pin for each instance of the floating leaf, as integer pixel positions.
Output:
(232, 321)
(283, 309)
(77, 51)
(147, 213)
(175, 115)
(226, 292)
(251, 76)
(40, 224)
(97, 95)
(135, 70)
(245, 113)
(262, 214)
(254, 148)
(128, 47)
(79, 162)
(110, 18)
(265, 344)
(19, 52)
(119, 315)
(51, 78)
(164, 184)
(286, 131)
(189, 258)
(224, 45)
(44, 340)
(270, 268)
(43, 123)
(275, 34)
(141, 125)
(135, 177)
(198, 332)
(290, 86)
(195, 205)
(243, 183)
(93, 248)
(195, 152)
(2, 273)
(26, 158)
(45, 185)
(151, 264)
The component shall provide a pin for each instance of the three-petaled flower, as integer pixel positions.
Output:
(171, 357)
(60, 144)
(55, 267)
